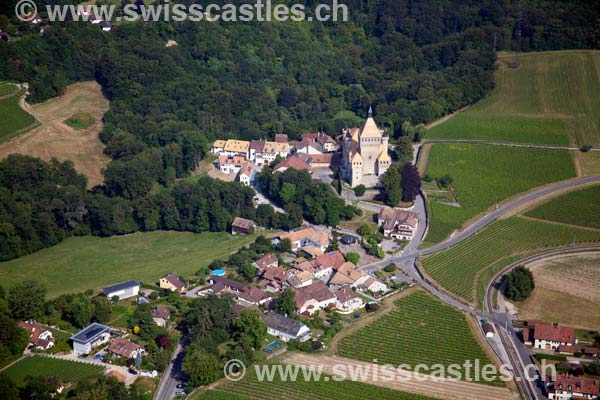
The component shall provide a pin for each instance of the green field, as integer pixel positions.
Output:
(485, 175)
(90, 262)
(80, 121)
(550, 98)
(253, 389)
(420, 330)
(578, 208)
(68, 371)
(458, 269)
(13, 119)
(7, 89)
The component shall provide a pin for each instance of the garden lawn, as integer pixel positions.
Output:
(68, 371)
(90, 262)
(578, 208)
(420, 330)
(485, 175)
(550, 98)
(474, 261)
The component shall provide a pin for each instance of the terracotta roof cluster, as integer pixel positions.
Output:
(575, 384)
(300, 278)
(563, 334)
(396, 216)
(347, 274)
(333, 259)
(275, 276)
(34, 330)
(281, 138)
(224, 159)
(123, 347)
(247, 168)
(310, 233)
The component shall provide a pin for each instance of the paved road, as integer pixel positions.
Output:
(173, 375)
(517, 353)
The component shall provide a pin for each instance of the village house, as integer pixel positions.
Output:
(285, 328)
(301, 279)
(306, 237)
(253, 297)
(90, 337)
(310, 251)
(270, 260)
(281, 138)
(39, 337)
(591, 352)
(348, 275)
(220, 285)
(269, 152)
(311, 298)
(397, 223)
(161, 315)
(274, 279)
(123, 290)
(551, 337)
(372, 285)
(327, 263)
(247, 174)
(293, 162)
(308, 146)
(567, 387)
(234, 147)
(124, 348)
(230, 164)
(243, 226)
(172, 282)
(347, 301)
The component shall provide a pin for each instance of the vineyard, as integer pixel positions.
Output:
(485, 175)
(324, 389)
(457, 269)
(68, 371)
(578, 208)
(7, 89)
(420, 330)
(550, 97)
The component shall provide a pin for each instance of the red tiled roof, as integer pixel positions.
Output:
(281, 138)
(569, 348)
(345, 294)
(317, 291)
(242, 223)
(576, 384)
(293, 162)
(174, 280)
(161, 312)
(123, 347)
(563, 334)
(253, 295)
(267, 260)
(333, 259)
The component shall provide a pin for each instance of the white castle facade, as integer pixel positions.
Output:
(365, 152)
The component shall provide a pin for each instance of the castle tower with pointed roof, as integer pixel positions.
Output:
(365, 152)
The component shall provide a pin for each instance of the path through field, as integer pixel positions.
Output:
(54, 139)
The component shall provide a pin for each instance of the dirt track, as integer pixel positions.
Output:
(421, 384)
(54, 139)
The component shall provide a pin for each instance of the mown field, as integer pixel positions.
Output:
(68, 371)
(581, 207)
(252, 389)
(458, 269)
(420, 330)
(90, 262)
(485, 175)
(13, 119)
(551, 98)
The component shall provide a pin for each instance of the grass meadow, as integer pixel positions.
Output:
(14, 120)
(485, 175)
(80, 121)
(465, 269)
(90, 262)
(68, 371)
(551, 98)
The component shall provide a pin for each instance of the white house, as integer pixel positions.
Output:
(568, 387)
(123, 290)
(551, 337)
(314, 297)
(347, 301)
(285, 328)
(247, 174)
(397, 223)
(230, 164)
(90, 337)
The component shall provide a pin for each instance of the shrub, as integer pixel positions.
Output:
(360, 190)
(390, 268)
(585, 148)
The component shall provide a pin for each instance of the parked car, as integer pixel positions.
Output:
(132, 371)
(180, 393)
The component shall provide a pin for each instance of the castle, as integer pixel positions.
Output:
(365, 153)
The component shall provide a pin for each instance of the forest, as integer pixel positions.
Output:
(413, 60)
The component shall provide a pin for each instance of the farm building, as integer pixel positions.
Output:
(90, 337)
(122, 290)
(567, 387)
(243, 226)
(285, 328)
(551, 337)
(488, 329)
